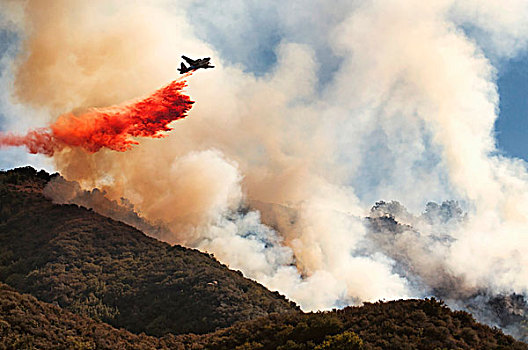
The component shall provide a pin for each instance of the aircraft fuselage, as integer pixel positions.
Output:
(194, 64)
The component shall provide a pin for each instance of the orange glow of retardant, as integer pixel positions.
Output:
(112, 127)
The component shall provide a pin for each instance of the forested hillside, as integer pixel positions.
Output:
(26, 323)
(402, 324)
(96, 283)
(104, 269)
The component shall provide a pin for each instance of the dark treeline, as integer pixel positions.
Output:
(104, 269)
(26, 323)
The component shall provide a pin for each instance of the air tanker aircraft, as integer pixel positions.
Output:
(194, 64)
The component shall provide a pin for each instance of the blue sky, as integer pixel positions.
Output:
(512, 125)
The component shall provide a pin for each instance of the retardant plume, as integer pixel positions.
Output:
(112, 127)
(36, 141)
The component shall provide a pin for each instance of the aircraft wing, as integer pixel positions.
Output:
(190, 61)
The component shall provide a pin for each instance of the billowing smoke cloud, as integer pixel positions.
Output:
(275, 172)
(62, 191)
(111, 127)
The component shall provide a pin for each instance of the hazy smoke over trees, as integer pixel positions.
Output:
(275, 170)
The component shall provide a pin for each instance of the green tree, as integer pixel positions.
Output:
(347, 340)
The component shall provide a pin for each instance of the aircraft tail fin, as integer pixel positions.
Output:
(182, 68)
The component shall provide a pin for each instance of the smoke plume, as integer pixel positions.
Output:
(62, 191)
(279, 166)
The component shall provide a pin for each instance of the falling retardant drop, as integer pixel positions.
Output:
(111, 127)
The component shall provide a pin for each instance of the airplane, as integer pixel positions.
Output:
(194, 64)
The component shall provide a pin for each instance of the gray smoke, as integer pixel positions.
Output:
(412, 242)
(62, 191)
(417, 244)
(354, 101)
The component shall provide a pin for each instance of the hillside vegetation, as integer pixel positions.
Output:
(104, 269)
(96, 283)
(26, 323)
(402, 324)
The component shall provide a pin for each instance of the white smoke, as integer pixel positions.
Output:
(350, 102)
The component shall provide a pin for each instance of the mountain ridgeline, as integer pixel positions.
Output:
(27, 323)
(509, 311)
(101, 268)
(71, 278)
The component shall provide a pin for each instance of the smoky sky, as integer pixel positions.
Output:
(314, 112)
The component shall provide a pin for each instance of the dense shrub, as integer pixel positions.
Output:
(104, 269)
